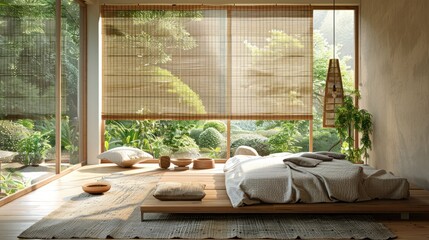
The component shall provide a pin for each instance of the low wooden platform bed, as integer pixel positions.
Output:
(217, 201)
(221, 197)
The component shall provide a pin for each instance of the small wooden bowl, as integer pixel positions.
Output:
(203, 163)
(181, 162)
(96, 187)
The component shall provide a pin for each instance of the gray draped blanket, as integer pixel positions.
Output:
(254, 179)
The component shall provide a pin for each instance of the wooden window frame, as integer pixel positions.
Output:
(228, 121)
(82, 105)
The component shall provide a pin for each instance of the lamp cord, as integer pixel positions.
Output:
(334, 89)
(333, 40)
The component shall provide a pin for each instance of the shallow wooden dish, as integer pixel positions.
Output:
(181, 162)
(203, 163)
(96, 187)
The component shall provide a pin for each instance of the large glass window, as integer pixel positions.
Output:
(325, 138)
(175, 138)
(193, 62)
(247, 69)
(27, 93)
(71, 75)
(28, 96)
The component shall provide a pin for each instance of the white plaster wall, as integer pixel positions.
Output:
(395, 84)
(94, 85)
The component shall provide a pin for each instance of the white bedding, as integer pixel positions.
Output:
(254, 179)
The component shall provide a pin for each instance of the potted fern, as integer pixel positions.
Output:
(348, 118)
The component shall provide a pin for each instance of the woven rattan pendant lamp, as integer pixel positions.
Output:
(334, 94)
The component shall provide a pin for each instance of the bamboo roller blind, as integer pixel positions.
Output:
(27, 73)
(207, 62)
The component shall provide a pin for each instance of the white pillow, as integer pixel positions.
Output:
(246, 150)
(125, 156)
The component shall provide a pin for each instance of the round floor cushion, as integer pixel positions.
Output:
(96, 187)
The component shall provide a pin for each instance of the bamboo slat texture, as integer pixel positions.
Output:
(231, 62)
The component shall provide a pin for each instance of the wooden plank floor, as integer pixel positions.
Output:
(18, 215)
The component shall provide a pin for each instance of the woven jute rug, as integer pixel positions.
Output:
(116, 215)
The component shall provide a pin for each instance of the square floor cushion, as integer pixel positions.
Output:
(179, 191)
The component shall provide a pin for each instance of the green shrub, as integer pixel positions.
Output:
(323, 140)
(186, 142)
(10, 134)
(28, 123)
(210, 138)
(69, 135)
(175, 134)
(195, 134)
(12, 181)
(215, 153)
(286, 139)
(259, 143)
(34, 148)
(187, 148)
(218, 125)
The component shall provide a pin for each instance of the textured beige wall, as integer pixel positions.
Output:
(395, 84)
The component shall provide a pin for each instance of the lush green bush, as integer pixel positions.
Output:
(10, 134)
(218, 125)
(258, 142)
(215, 153)
(175, 134)
(69, 134)
(286, 139)
(12, 181)
(125, 133)
(195, 133)
(323, 140)
(160, 137)
(186, 143)
(34, 148)
(210, 138)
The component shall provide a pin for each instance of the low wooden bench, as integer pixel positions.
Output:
(217, 201)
